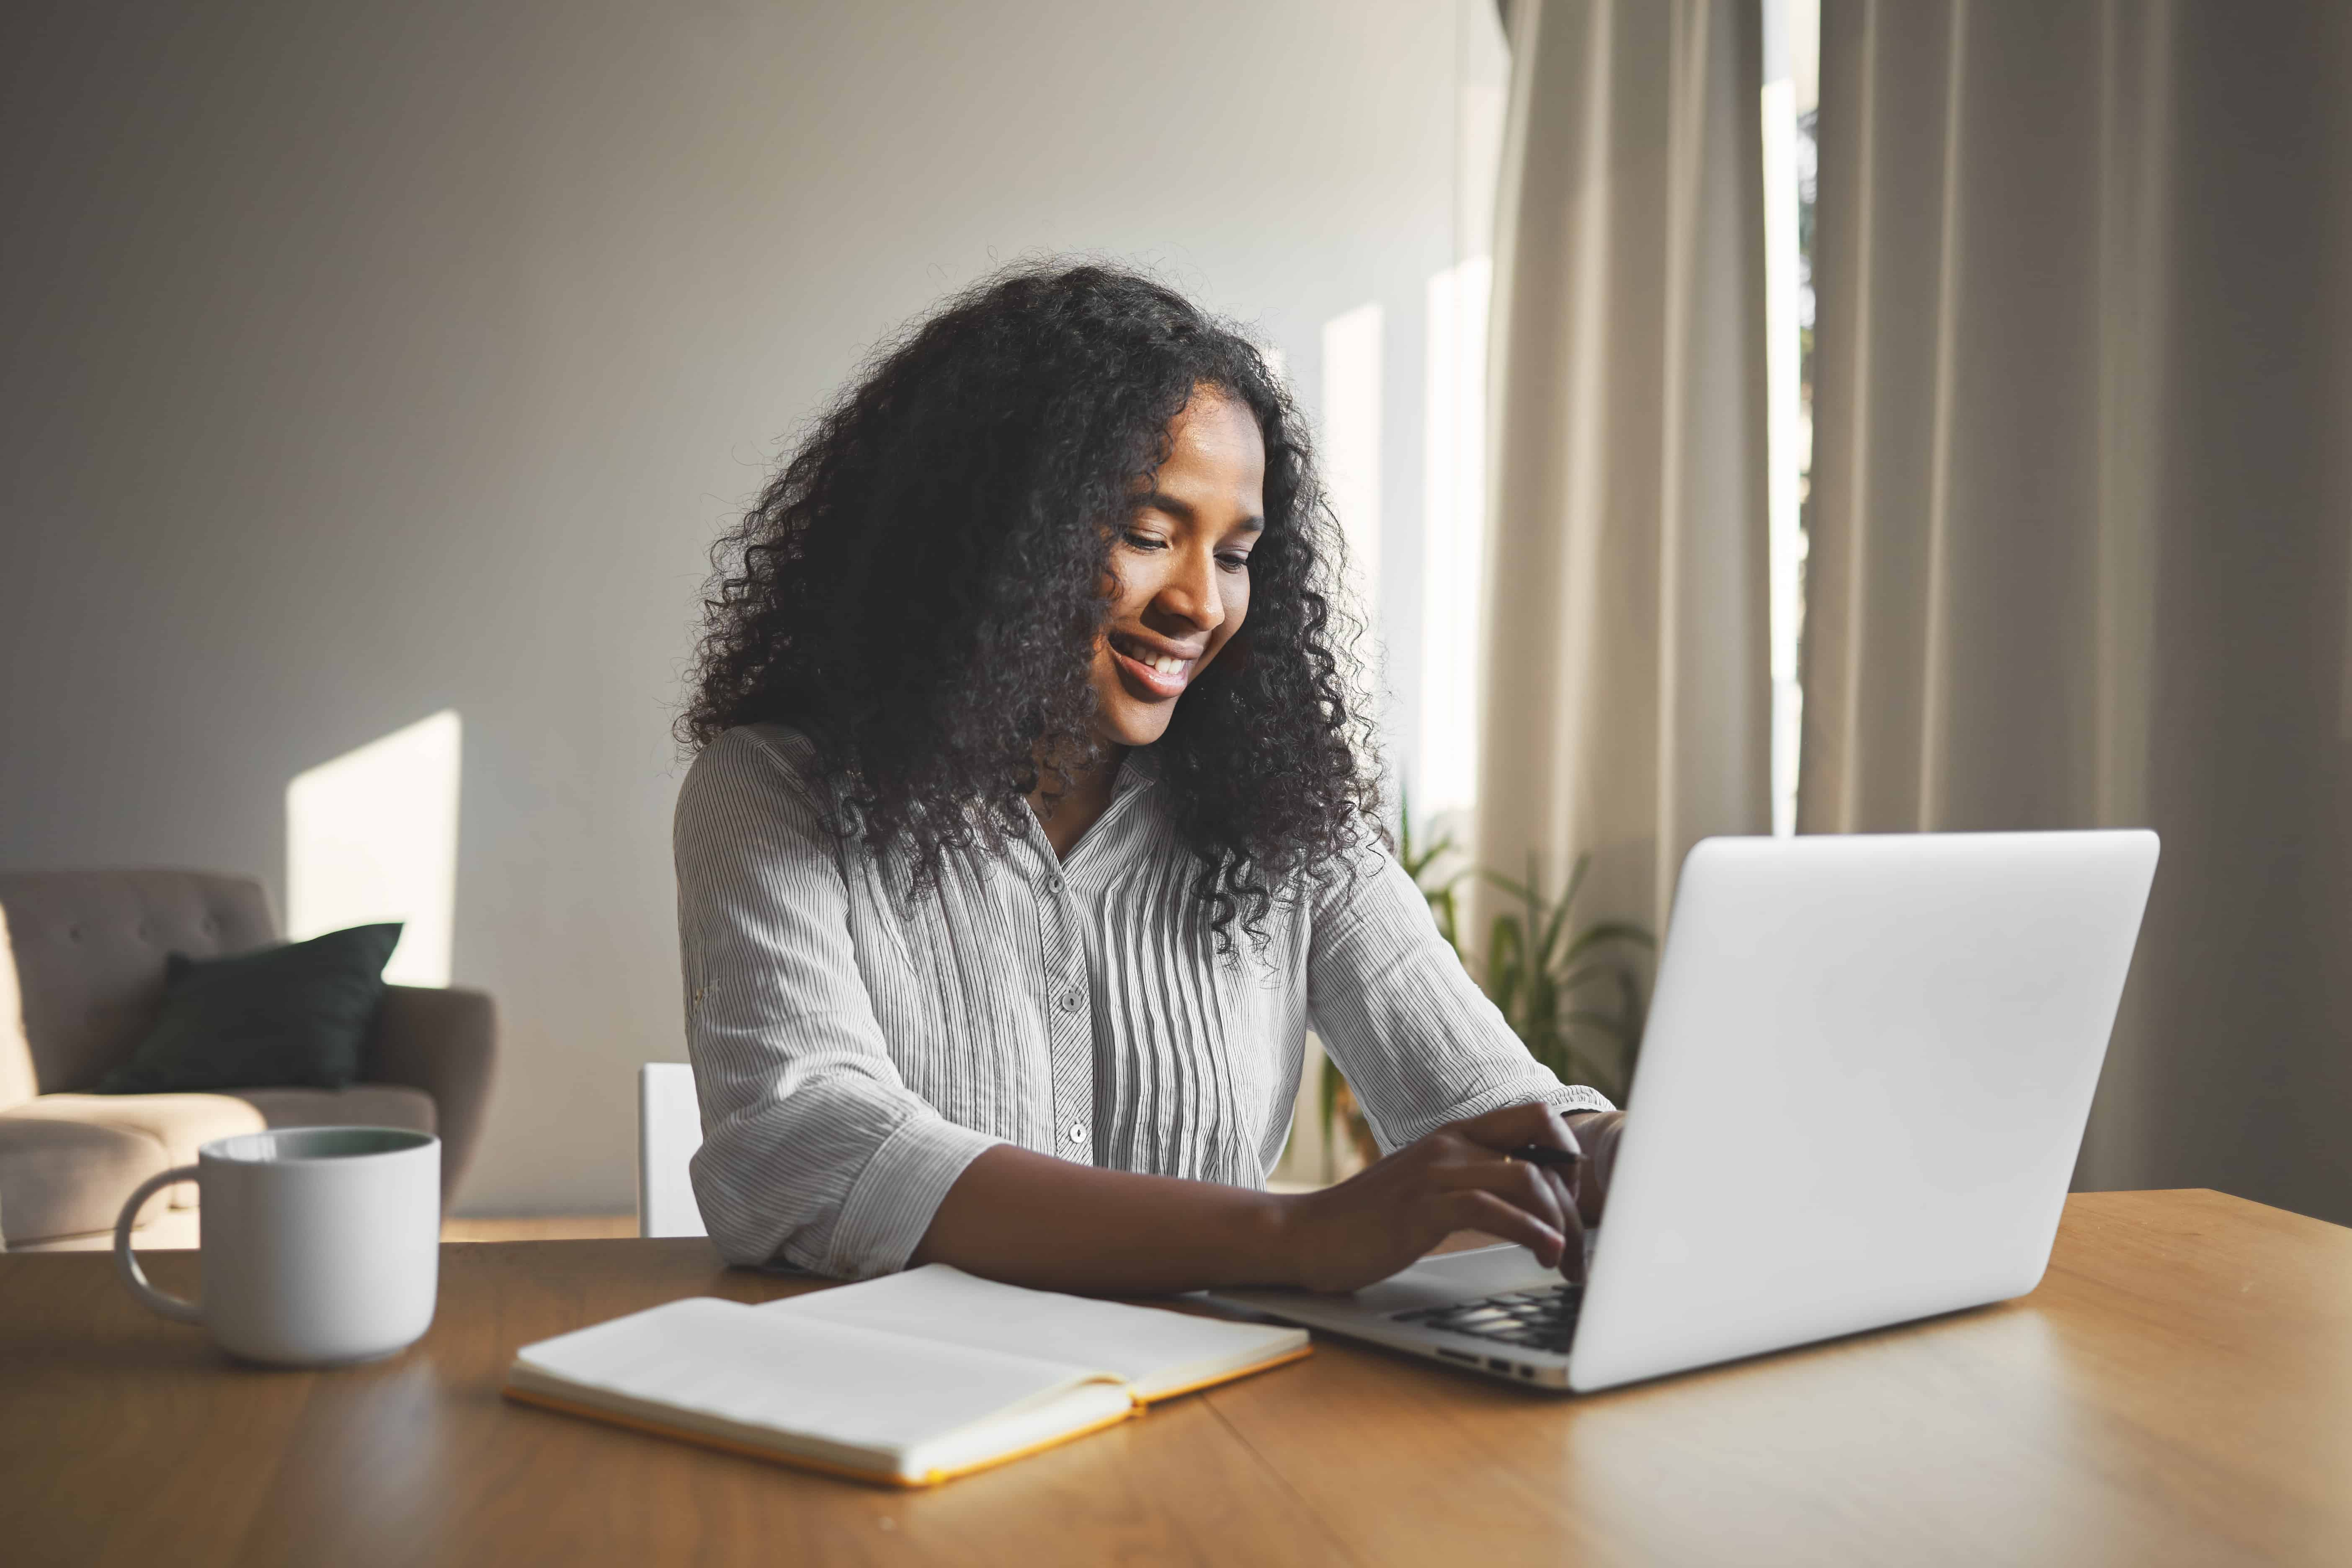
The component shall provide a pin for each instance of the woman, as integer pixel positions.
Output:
(1032, 825)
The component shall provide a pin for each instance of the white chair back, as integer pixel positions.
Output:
(669, 1130)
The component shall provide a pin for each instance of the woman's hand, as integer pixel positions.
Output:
(1458, 1178)
(1598, 1133)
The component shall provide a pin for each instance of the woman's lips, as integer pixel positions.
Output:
(1159, 675)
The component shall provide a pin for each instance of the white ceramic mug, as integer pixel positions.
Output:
(320, 1245)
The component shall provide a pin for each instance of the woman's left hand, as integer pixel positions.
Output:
(1598, 1133)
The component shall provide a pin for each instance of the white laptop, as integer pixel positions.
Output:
(1868, 1065)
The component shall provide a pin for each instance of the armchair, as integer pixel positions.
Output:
(89, 951)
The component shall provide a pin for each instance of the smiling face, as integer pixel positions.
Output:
(1181, 569)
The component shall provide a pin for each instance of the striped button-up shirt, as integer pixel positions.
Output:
(855, 1047)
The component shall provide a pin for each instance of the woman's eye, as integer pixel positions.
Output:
(1233, 562)
(1140, 541)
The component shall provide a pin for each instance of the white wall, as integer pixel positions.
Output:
(360, 362)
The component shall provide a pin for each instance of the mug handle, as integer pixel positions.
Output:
(126, 1263)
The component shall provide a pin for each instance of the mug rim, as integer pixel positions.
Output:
(269, 1146)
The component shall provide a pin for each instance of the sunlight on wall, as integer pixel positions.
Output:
(1351, 442)
(1453, 509)
(373, 836)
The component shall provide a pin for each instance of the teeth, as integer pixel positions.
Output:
(1159, 663)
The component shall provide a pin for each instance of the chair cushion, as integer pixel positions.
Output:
(90, 949)
(69, 1178)
(297, 1016)
(178, 1123)
(17, 1082)
(68, 1161)
(359, 1105)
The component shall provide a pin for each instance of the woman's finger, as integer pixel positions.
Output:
(1515, 1182)
(1536, 1191)
(1476, 1209)
(1507, 1129)
(1563, 1179)
(1602, 1135)
(1571, 1263)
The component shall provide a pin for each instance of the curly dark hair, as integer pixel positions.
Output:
(920, 589)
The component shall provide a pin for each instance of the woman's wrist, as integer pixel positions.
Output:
(1273, 1236)
(1313, 1234)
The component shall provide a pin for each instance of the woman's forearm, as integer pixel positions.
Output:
(1031, 1219)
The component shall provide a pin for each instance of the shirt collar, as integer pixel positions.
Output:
(1140, 769)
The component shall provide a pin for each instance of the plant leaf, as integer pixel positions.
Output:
(1551, 931)
(1576, 878)
(1516, 890)
(1598, 932)
(1540, 958)
(1599, 970)
(1329, 1092)
(1505, 967)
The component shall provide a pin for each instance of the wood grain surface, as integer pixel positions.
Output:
(2179, 1391)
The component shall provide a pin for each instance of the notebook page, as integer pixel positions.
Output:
(1157, 1351)
(861, 1397)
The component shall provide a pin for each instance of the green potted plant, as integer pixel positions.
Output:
(1571, 994)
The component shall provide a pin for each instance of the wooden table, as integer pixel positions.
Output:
(2178, 1390)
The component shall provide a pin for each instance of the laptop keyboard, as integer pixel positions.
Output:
(1543, 1319)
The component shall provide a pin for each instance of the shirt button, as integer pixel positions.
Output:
(1077, 1133)
(1054, 883)
(1071, 1000)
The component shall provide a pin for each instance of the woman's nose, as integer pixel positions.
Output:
(1190, 590)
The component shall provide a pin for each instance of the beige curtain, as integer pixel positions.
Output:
(1627, 692)
(2082, 521)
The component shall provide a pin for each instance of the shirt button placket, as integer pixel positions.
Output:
(1070, 1025)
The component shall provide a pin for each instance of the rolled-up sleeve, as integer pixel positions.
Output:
(1417, 1040)
(814, 1151)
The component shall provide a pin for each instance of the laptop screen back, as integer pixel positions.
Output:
(1867, 1069)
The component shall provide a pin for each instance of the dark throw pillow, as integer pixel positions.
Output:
(284, 1017)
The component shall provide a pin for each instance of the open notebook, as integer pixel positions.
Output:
(907, 1381)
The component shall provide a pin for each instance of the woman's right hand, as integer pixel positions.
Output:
(1457, 1178)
